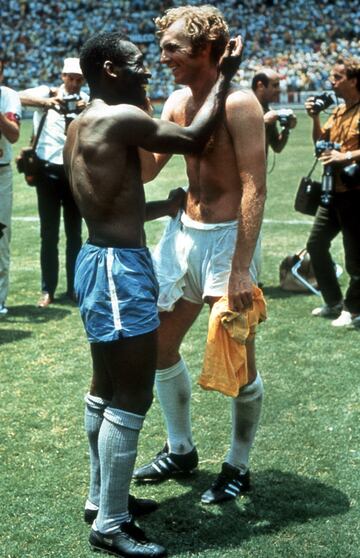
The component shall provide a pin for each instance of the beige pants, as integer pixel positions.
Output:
(6, 197)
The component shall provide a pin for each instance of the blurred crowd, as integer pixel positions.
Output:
(300, 39)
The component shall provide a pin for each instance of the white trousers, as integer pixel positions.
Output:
(6, 198)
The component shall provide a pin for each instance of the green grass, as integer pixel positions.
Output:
(305, 462)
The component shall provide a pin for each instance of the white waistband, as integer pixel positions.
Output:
(188, 222)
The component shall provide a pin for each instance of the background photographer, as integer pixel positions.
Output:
(53, 191)
(10, 112)
(266, 86)
(342, 213)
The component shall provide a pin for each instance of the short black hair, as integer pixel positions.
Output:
(98, 49)
(260, 77)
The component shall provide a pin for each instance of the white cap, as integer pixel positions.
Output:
(71, 66)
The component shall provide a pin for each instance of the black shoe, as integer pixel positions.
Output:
(229, 484)
(166, 465)
(137, 507)
(129, 541)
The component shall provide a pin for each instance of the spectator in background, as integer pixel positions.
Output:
(53, 190)
(10, 112)
(342, 214)
(303, 36)
(266, 86)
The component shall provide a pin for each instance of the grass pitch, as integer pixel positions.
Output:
(305, 463)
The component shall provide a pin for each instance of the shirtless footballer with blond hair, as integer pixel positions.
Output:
(211, 243)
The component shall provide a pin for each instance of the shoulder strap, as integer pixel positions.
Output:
(312, 168)
(39, 130)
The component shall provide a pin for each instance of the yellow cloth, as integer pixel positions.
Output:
(225, 364)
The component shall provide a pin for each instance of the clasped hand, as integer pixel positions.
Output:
(230, 61)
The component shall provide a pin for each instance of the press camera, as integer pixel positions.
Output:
(327, 181)
(69, 104)
(284, 116)
(322, 102)
(323, 145)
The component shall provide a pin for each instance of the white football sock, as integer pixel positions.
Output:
(118, 439)
(94, 413)
(173, 387)
(246, 411)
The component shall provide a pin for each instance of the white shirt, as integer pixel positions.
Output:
(9, 102)
(52, 139)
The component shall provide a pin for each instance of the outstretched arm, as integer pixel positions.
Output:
(166, 137)
(170, 207)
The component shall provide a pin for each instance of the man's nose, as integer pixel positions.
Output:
(164, 57)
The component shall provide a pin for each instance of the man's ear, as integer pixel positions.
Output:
(206, 49)
(109, 68)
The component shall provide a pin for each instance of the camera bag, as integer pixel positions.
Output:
(296, 273)
(27, 161)
(308, 195)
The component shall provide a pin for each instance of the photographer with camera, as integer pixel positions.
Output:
(266, 86)
(337, 146)
(10, 112)
(60, 106)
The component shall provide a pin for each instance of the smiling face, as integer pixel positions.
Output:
(133, 76)
(177, 54)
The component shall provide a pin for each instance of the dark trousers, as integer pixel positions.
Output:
(53, 192)
(342, 216)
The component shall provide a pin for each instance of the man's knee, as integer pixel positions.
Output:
(138, 402)
(168, 346)
(315, 245)
(167, 357)
(173, 327)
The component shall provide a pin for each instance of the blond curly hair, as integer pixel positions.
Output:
(202, 24)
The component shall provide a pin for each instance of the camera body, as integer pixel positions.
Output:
(350, 175)
(327, 181)
(322, 102)
(70, 104)
(284, 116)
(323, 145)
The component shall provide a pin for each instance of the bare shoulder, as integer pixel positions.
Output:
(111, 113)
(179, 95)
(243, 99)
(112, 121)
(177, 98)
